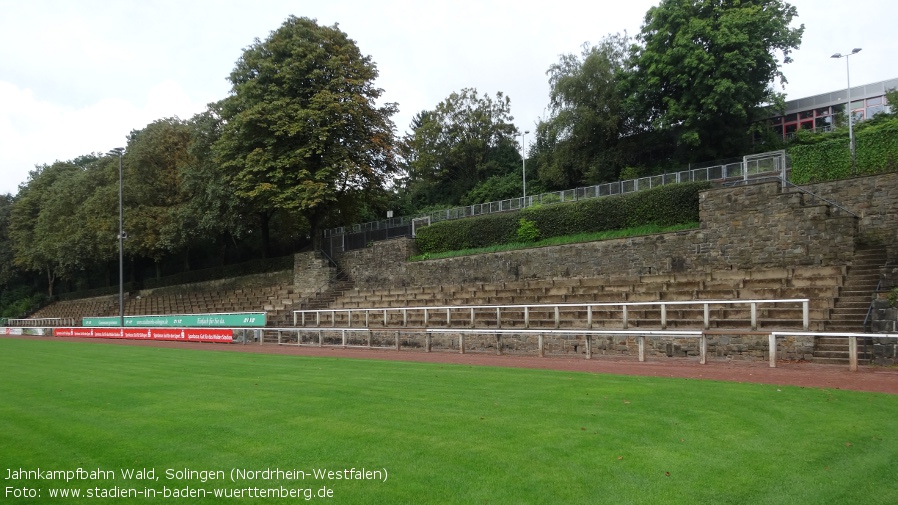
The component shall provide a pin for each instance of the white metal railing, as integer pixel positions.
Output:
(772, 163)
(460, 333)
(852, 342)
(42, 321)
(302, 317)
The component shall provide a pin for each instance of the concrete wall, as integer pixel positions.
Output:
(874, 199)
(311, 273)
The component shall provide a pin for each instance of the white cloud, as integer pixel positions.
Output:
(79, 75)
(35, 132)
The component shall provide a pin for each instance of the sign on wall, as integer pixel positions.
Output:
(229, 320)
(177, 334)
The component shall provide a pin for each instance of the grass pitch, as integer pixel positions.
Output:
(425, 433)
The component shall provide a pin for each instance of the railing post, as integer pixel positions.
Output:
(461, 343)
(526, 317)
(707, 316)
(557, 318)
(852, 353)
(754, 316)
(426, 318)
(498, 344)
(589, 316)
(317, 318)
(472, 317)
(349, 318)
(663, 316)
(588, 346)
(772, 347)
(703, 349)
(624, 311)
(404, 317)
(542, 349)
(386, 318)
(397, 341)
(448, 317)
(498, 318)
(805, 315)
(343, 336)
(640, 341)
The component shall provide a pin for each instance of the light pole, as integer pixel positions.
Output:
(848, 107)
(118, 151)
(524, 166)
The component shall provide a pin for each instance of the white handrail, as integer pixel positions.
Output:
(852, 342)
(299, 316)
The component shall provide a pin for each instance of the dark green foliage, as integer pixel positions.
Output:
(664, 206)
(459, 146)
(826, 157)
(302, 131)
(527, 231)
(705, 69)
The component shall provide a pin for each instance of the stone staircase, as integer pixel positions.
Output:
(851, 306)
(282, 315)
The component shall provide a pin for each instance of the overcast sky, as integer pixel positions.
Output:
(76, 76)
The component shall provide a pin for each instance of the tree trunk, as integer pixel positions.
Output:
(51, 279)
(265, 229)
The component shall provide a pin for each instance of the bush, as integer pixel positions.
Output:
(826, 157)
(665, 206)
(527, 231)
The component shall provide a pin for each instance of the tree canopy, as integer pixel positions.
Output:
(577, 143)
(467, 139)
(301, 129)
(706, 67)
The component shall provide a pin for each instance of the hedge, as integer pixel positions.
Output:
(665, 206)
(876, 148)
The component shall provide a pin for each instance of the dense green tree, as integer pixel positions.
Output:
(46, 235)
(210, 209)
(7, 268)
(156, 156)
(301, 131)
(577, 143)
(464, 141)
(705, 68)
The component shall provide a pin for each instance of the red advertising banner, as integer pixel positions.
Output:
(177, 334)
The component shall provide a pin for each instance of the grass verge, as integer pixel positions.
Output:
(567, 239)
(443, 433)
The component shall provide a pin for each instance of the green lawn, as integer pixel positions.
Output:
(649, 229)
(442, 433)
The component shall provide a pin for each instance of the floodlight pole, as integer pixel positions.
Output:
(848, 107)
(121, 237)
(524, 165)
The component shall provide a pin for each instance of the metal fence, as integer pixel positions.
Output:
(358, 236)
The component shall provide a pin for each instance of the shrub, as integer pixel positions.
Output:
(826, 157)
(665, 206)
(527, 231)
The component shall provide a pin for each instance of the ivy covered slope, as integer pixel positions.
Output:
(666, 205)
(826, 157)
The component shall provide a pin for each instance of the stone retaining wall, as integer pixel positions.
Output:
(759, 226)
(282, 278)
(745, 227)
